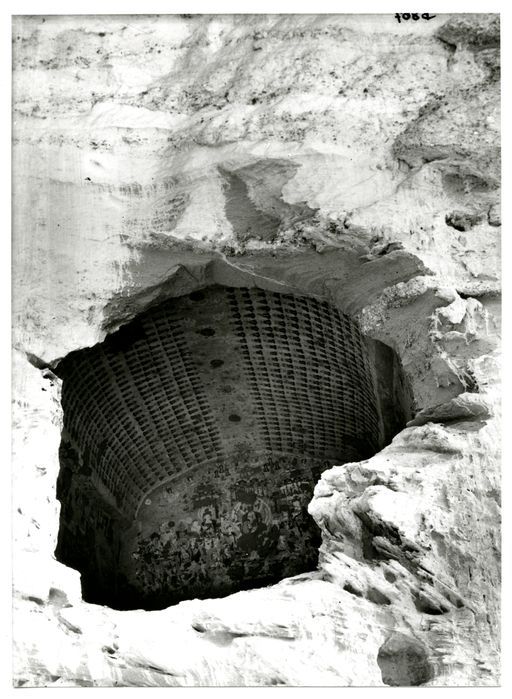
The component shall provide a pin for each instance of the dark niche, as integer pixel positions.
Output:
(193, 438)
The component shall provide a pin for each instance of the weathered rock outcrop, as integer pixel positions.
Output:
(350, 158)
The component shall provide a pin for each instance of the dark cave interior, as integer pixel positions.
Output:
(193, 438)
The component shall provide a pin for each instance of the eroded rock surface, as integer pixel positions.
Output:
(347, 158)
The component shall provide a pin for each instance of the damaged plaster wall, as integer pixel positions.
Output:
(342, 157)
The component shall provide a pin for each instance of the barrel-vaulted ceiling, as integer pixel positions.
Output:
(206, 376)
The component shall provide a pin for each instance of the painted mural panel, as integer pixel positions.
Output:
(210, 532)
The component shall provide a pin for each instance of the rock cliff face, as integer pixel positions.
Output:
(347, 158)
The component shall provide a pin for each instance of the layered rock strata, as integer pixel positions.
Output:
(345, 158)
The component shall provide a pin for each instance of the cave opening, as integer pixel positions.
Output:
(193, 437)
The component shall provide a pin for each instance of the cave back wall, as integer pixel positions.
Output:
(195, 434)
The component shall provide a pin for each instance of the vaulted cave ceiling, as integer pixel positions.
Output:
(199, 378)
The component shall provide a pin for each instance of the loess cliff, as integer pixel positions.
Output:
(346, 158)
